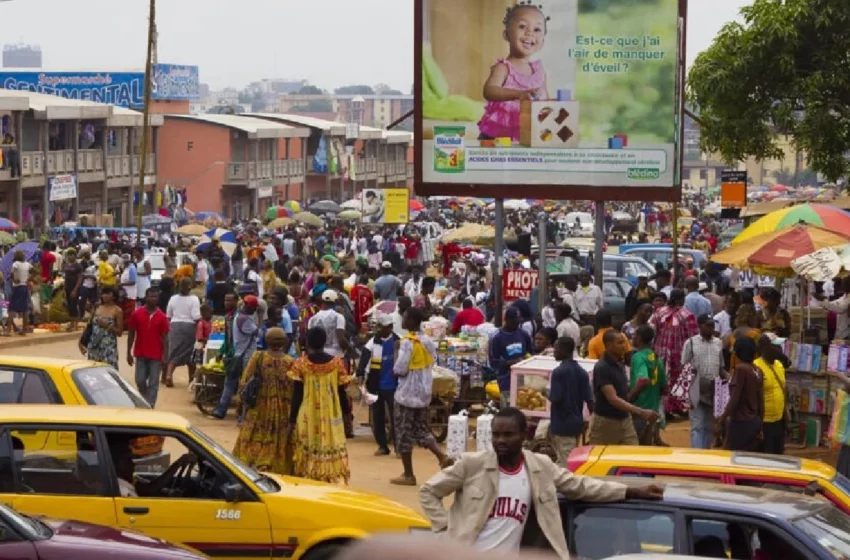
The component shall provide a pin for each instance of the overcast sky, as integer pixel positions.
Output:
(328, 42)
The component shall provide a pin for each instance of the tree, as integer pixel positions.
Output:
(805, 178)
(314, 106)
(354, 90)
(310, 90)
(384, 89)
(784, 71)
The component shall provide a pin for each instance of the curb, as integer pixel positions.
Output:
(36, 340)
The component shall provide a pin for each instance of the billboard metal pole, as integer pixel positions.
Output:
(543, 291)
(598, 243)
(146, 119)
(499, 266)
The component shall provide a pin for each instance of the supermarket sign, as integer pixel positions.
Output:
(517, 284)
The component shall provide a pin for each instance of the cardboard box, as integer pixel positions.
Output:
(106, 220)
(549, 124)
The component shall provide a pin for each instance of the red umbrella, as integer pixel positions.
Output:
(779, 188)
(416, 206)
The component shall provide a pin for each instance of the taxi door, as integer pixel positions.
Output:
(62, 479)
(212, 526)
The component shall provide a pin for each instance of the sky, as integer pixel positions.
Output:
(330, 43)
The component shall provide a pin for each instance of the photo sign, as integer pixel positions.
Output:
(517, 284)
(386, 206)
(550, 93)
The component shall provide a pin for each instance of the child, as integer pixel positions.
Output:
(516, 77)
(202, 334)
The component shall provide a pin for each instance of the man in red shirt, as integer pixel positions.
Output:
(47, 262)
(148, 329)
(469, 316)
(363, 299)
(412, 246)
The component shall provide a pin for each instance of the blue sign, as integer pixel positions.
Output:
(125, 89)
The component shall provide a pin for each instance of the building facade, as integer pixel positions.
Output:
(378, 110)
(22, 56)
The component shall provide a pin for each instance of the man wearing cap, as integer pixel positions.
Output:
(695, 302)
(508, 346)
(388, 287)
(661, 283)
(333, 323)
(704, 352)
(376, 368)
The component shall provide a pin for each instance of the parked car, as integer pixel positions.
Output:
(654, 253)
(157, 261)
(32, 538)
(614, 291)
(209, 501)
(715, 520)
(781, 472)
(628, 267)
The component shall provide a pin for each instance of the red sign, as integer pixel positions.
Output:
(517, 284)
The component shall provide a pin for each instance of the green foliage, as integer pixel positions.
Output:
(310, 90)
(805, 178)
(784, 70)
(314, 106)
(355, 90)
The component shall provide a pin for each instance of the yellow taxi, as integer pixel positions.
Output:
(38, 380)
(778, 472)
(205, 498)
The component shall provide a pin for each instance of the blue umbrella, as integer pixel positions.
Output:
(226, 237)
(30, 248)
(207, 215)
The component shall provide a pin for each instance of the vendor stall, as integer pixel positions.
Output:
(531, 377)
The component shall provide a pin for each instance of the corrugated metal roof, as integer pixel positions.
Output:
(398, 137)
(333, 128)
(54, 107)
(122, 116)
(256, 128)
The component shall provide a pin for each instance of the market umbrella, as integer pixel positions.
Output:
(29, 248)
(382, 307)
(416, 206)
(308, 219)
(192, 229)
(293, 205)
(821, 215)
(7, 224)
(280, 223)
(7, 238)
(819, 266)
(155, 219)
(278, 212)
(350, 215)
(773, 252)
(476, 234)
(352, 204)
(202, 216)
(226, 238)
(324, 207)
(779, 188)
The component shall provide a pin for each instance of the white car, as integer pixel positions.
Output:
(157, 260)
(584, 227)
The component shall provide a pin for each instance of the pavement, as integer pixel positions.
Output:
(368, 472)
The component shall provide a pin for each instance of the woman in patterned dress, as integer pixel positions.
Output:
(107, 326)
(319, 404)
(674, 325)
(262, 442)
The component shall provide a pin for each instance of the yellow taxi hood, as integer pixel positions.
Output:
(358, 508)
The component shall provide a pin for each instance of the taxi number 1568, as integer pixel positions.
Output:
(229, 514)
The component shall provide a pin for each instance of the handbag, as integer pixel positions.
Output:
(250, 393)
(680, 390)
(85, 338)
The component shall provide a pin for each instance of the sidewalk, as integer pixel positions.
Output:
(35, 339)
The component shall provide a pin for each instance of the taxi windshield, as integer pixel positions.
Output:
(831, 528)
(842, 482)
(264, 483)
(103, 386)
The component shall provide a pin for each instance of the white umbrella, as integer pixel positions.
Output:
(351, 205)
(516, 204)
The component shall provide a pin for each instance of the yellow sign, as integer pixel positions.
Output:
(386, 206)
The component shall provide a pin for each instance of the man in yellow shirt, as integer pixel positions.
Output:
(773, 374)
(105, 272)
(596, 347)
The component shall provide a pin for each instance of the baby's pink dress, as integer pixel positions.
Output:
(501, 118)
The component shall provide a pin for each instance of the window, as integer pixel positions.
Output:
(148, 465)
(104, 387)
(703, 174)
(714, 538)
(612, 290)
(633, 269)
(671, 477)
(603, 532)
(24, 387)
(56, 462)
(831, 528)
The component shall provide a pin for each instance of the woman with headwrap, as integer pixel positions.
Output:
(262, 441)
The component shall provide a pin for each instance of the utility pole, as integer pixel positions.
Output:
(143, 157)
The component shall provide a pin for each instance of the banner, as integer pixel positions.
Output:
(550, 92)
(125, 89)
(62, 187)
(386, 206)
(517, 284)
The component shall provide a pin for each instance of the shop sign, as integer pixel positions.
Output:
(733, 189)
(517, 284)
(579, 130)
(265, 192)
(62, 187)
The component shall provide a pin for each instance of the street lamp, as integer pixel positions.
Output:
(146, 124)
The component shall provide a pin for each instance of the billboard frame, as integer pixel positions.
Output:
(542, 191)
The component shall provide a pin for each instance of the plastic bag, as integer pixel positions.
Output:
(839, 431)
(484, 432)
(458, 434)
(721, 397)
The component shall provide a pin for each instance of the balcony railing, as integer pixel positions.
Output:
(410, 170)
(280, 171)
(60, 162)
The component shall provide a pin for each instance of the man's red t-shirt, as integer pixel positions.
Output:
(471, 317)
(48, 259)
(149, 329)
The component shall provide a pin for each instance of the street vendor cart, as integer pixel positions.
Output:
(444, 386)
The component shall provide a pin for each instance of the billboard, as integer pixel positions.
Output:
(554, 95)
(733, 189)
(125, 89)
(386, 206)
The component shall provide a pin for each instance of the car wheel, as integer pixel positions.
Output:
(327, 551)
